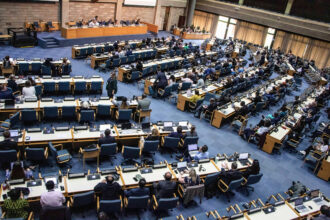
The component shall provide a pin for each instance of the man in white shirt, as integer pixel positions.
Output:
(93, 23)
(51, 198)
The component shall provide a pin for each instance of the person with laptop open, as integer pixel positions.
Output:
(8, 143)
(202, 154)
(106, 138)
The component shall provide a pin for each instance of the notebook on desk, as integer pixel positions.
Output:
(299, 205)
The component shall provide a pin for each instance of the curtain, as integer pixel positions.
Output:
(203, 20)
(250, 32)
(288, 41)
(319, 51)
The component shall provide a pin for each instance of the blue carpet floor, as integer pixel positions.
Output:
(279, 170)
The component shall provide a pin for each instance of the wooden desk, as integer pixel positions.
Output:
(151, 27)
(177, 31)
(283, 212)
(71, 33)
(313, 208)
(275, 137)
(324, 171)
(195, 36)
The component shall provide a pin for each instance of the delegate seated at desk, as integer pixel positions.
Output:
(51, 198)
(108, 188)
(230, 175)
(6, 92)
(15, 206)
(203, 108)
(18, 172)
(325, 214)
(154, 136)
(93, 23)
(191, 180)
(253, 169)
(11, 83)
(141, 191)
(165, 188)
(8, 143)
(28, 90)
(192, 132)
(202, 154)
(178, 133)
(144, 103)
(106, 138)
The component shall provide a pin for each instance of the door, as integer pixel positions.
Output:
(167, 13)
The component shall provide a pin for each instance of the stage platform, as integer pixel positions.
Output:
(54, 39)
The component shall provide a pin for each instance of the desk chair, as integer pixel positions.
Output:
(82, 201)
(150, 147)
(151, 91)
(66, 69)
(38, 89)
(36, 68)
(187, 194)
(141, 113)
(131, 59)
(131, 153)
(96, 87)
(123, 114)
(227, 189)
(79, 87)
(55, 213)
(68, 112)
(103, 111)
(46, 70)
(135, 75)
(61, 156)
(36, 26)
(185, 85)
(116, 62)
(314, 159)
(8, 156)
(50, 26)
(238, 124)
(50, 113)
(170, 143)
(49, 87)
(23, 68)
(86, 116)
(92, 152)
(164, 204)
(136, 203)
(29, 116)
(252, 179)
(105, 66)
(163, 93)
(193, 106)
(110, 206)
(64, 87)
(36, 155)
(184, 143)
(11, 121)
(210, 184)
(109, 150)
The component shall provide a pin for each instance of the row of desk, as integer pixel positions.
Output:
(75, 32)
(191, 35)
(280, 132)
(184, 97)
(147, 53)
(80, 134)
(43, 25)
(28, 65)
(56, 80)
(126, 178)
(228, 110)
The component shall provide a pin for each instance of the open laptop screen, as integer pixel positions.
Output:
(182, 164)
(243, 156)
(192, 147)
(168, 124)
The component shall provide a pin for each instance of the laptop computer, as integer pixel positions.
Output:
(182, 166)
(315, 196)
(145, 127)
(243, 158)
(299, 205)
(184, 125)
(126, 126)
(9, 103)
(14, 133)
(193, 150)
(168, 126)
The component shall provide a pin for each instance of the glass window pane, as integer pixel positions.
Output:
(271, 31)
(223, 18)
(231, 31)
(221, 30)
(233, 21)
(268, 41)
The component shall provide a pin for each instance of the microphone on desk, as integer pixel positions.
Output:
(200, 168)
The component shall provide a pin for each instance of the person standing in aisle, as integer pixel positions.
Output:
(112, 85)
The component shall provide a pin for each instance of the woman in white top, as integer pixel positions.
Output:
(29, 91)
(171, 80)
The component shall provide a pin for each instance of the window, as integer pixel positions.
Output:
(226, 27)
(269, 37)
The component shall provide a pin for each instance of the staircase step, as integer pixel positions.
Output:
(51, 43)
(52, 46)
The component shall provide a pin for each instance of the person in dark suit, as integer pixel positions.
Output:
(177, 133)
(106, 138)
(253, 169)
(165, 188)
(203, 108)
(161, 80)
(141, 191)
(230, 175)
(108, 188)
(6, 93)
(8, 143)
(12, 84)
(139, 66)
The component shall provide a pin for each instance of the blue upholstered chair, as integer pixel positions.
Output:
(86, 116)
(233, 185)
(50, 113)
(29, 116)
(136, 202)
(11, 121)
(61, 156)
(68, 112)
(80, 87)
(123, 114)
(170, 143)
(150, 146)
(64, 87)
(103, 111)
(108, 150)
(135, 75)
(96, 87)
(8, 156)
(36, 155)
(131, 153)
(251, 180)
(49, 87)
